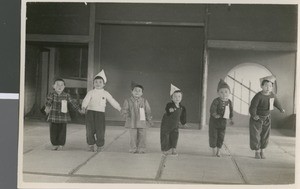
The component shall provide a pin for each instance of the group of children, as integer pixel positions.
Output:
(137, 113)
(260, 108)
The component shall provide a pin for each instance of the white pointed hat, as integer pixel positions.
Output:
(270, 78)
(173, 89)
(102, 74)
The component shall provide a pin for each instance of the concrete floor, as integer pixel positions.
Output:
(193, 165)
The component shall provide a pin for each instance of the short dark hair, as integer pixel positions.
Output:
(266, 81)
(99, 77)
(59, 79)
(139, 86)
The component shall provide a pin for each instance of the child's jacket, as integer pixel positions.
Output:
(54, 102)
(131, 111)
(261, 104)
(218, 107)
(96, 100)
(171, 119)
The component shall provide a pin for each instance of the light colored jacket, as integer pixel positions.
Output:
(131, 112)
(96, 100)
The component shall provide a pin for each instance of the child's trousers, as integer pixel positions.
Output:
(168, 139)
(216, 136)
(137, 139)
(259, 132)
(58, 133)
(216, 132)
(95, 125)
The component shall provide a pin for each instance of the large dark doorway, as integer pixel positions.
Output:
(47, 61)
(154, 56)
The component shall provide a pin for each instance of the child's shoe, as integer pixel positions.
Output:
(262, 155)
(133, 151)
(213, 151)
(54, 147)
(60, 148)
(141, 151)
(100, 148)
(174, 153)
(257, 155)
(218, 154)
(91, 148)
(165, 153)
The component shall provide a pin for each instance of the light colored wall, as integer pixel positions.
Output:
(281, 64)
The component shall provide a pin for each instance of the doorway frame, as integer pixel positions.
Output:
(95, 53)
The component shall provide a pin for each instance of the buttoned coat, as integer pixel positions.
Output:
(131, 112)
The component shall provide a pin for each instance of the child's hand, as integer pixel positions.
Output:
(47, 110)
(282, 111)
(151, 124)
(82, 111)
(217, 116)
(256, 117)
(171, 110)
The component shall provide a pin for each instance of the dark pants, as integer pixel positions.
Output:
(216, 132)
(168, 139)
(259, 132)
(216, 137)
(58, 133)
(95, 125)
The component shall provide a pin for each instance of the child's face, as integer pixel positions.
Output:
(267, 87)
(224, 93)
(59, 86)
(99, 84)
(137, 92)
(177, 97)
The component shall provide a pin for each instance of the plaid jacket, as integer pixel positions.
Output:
(54, 103)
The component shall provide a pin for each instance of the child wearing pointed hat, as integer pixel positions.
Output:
(220, 111)
(175, 113)
(260, 121)
(94, 104)
(137, 113)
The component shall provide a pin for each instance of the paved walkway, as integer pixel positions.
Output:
(193, 165)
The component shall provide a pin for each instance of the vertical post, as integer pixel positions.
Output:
(295, 87)
(205, 72)
(233, 90)
(45, 84)
(91, 62)
(97, 47)
(51, 67)
(241, 97)
(80, 63)
(249, 99)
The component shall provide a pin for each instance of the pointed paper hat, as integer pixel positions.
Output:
(222, 84)
(134, 84)
(101, 74)
(173, 89)
(270, 78)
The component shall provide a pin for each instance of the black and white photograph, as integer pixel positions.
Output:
(157, 94)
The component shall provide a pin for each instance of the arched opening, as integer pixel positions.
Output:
(244, 81)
